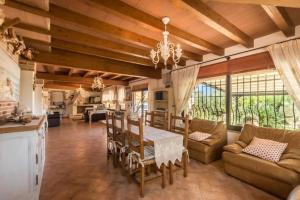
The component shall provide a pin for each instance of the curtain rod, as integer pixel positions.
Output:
(234, 54)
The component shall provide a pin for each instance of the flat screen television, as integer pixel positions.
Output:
(159, 95)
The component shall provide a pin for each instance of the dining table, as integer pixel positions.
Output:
(168, 146)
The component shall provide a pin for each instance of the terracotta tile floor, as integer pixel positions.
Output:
(76, 168)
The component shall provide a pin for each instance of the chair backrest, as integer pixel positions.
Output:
(180, 125)
(110, 123)
(149, 118)
(160, 120)
(119, 127)
(136, 135)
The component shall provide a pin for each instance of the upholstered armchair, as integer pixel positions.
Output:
(209, 149)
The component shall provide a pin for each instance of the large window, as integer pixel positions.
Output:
(209, 99)
(258, 97)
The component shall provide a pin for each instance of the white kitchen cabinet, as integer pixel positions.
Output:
(22, 158)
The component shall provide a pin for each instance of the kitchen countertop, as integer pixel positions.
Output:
(11, 127)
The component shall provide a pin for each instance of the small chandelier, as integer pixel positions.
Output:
(165, 48)
(98, 83)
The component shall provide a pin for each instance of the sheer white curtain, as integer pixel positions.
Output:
(184, 81)
(286, 57)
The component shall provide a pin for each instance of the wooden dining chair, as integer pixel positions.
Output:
(180, 125)
(120, 139)
(149, 118)
(142, 155)
(110, 133)
(160, 120)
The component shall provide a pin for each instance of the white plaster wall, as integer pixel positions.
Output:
(26, 89)
(38, 108)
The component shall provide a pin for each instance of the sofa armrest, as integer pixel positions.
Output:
(233, 148)
(292, 164)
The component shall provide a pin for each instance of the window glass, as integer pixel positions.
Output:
(261, 98)
(208, 100)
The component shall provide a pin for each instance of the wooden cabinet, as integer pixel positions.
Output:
(22, 158)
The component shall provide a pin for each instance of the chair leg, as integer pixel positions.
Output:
(163, 171)
(108, 154)
(142, 183)
(171, 173)
(185, 160)
(129, 175)
(116, 158)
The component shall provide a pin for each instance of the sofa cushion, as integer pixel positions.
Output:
(199, 136)
(265, 149)
(263, 167)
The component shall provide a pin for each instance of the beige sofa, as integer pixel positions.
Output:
(209, 149)
(277, 178)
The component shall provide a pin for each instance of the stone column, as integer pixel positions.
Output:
(26, 85)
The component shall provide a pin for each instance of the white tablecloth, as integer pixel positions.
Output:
(168, 146)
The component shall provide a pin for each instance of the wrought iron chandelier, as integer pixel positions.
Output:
(98, 83)
(165, 48)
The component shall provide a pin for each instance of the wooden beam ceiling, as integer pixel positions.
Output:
(88, 73)
(86, 62)
(50, 69)
(10, 22)
(71, 71)
(89, 50)
(66, 14)
(74, 79)
(216, 21)
(283, 3)
(26, 8)
(58, 12)
(32, 28)
(60, 44)
(58, 86)
(81, 38)
(280, 17)
(141, 16)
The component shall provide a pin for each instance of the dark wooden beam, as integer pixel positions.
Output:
(86, 62)
(145, 18)
(216, 21)
(74, 79)
(32, 28)
(50, 69)
(115, 77)
(282, 20)
(126, 78)
(283, 3)
(81, 38)
(64, 86)
(88, 73)
(26, 8)
(9, 23)
(71, 71)
(65, 45)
